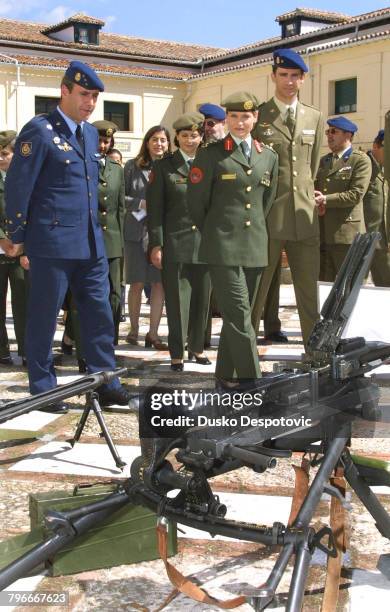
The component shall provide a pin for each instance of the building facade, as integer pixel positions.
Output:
(150, 82)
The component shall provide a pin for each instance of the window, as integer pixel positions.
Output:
(87, 34)
(45, 105)
(345, 94)
(120, 113)
(83, 35)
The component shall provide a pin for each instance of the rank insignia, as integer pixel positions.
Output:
(66, 147)
(248, 105)
(26, 148)
(258, 146)
(77, 76)
(229, 177)
(268, 132)
(196, 175)
(228, 144)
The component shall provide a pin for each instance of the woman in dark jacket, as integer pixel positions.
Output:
(174, 242)
(138, 270)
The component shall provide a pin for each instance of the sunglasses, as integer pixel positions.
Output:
(332, 131)
(210, 123)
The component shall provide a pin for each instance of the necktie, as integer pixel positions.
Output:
(245, 149)
(290, 120)
(79, 137)
(190, 162)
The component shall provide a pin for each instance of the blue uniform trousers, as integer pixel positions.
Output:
(49, 281)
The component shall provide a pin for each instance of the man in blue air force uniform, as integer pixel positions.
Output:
(51, 194)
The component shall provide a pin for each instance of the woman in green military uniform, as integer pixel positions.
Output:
(232, 186)
(174, 243)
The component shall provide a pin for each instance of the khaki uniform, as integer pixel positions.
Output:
(186, 280)
(377, 219)
(344, 182)
(293, 220)
(12, 271)
(386, 144)
(229, 199)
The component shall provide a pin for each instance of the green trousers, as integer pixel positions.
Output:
(11, 271)
(187, 298)
(380, 268)
(235, 288)
(272, 322)
(332, 256)
(304, 260)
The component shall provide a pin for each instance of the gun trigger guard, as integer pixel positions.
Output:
(334, 492)
(56, 521)
(329, 549)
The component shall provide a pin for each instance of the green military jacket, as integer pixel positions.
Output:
(294, 214)
(344, 182)
(229, 199)
(112, 206)
(169, 222)
(386, 144)
(375, 204)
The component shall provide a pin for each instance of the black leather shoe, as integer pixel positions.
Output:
(278, 337)
(24, 362)
(82, 366)
(66, 349)
(56, 408)
(114, 397)
(198, 359)
(6, 361)
(177, 367)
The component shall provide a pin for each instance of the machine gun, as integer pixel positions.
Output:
(320, 399)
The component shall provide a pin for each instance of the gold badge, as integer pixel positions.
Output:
(109, 131)
(77, 76)
(194, 127)
(229, 177)
(248, 105)
(26, 148)
(277, 60)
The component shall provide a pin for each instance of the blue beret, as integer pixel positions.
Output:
(342, 123)
(83, 75)
(212, 110)
(287, 58)
(380, 135)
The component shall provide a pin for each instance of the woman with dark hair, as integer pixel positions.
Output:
(174, 243)
(138, 271)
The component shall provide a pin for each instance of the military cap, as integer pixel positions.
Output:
(342, 123)
(105, 128)
(380, 136)
(6, 136)
(241, 101)
(212, 110)
(287, 58)
(188, 121)
(83, 75)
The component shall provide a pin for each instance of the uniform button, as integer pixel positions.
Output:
(18, 215)
(9, 222)
(328, 180)
(56, 222)
(295, 173)
(294, 188)
(24, 222)
(105, 198)
(88, 177)
(293, 143)
(247, 223)
(90, 194)
(249, 188)
(294, 158)
(325, 190)
(248, 205)
(104, 212)
(104, 184)
(104, 228)
(249, 172)
(193, 227)
(67, 161)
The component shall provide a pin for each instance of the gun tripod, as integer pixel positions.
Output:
(92, 404)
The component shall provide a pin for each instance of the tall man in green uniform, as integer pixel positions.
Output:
(231, 189)
(377, 213)
(342, 180)
(111, 214)
(294, 130)
(10, 268)
(386, 145)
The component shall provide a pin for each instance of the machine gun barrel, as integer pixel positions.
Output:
(60, 393)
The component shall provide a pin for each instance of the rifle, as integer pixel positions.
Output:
(325, 393)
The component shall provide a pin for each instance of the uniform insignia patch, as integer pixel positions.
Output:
(26, 148)
(66, 147)
(77, 76)
(258, 146)
(308, 131)
(181, 181)
(268, 132)
(248, 105)
(196, 175)
(229, 177)
(228, 144)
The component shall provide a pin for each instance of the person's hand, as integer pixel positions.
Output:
(142, 205)
(13, 250)
(24, 262)
(156, 257)
(320, 200)
(6, 245)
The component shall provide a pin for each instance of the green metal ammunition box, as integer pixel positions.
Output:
(128, 536)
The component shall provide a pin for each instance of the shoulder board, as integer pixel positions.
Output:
(358, 152)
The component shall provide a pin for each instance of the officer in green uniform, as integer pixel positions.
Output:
(342, 180)
(232, 186)
(377, 213)
(386, 145)
(10, 268)
(295, 131)
(111, 214)
(174, 243)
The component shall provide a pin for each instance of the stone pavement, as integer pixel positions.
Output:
(44, 461)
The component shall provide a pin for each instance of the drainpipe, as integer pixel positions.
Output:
(17, 66)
